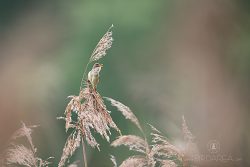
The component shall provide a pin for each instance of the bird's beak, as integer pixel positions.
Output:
(101, 65)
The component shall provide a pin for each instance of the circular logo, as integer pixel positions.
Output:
(213, 146)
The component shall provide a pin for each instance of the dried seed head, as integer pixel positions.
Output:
(126, 111)
(20, 155)
(103, 45)
(25, 131)
(168, 163)
(72, 143)
(191, 147)
(134, 143)
(92, 114)
(135, 161)
(188, 136)
(162, 148)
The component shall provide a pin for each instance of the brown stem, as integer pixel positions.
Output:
(83, 76)
(185, 162)
(84, 154)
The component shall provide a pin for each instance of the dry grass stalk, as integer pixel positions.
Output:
(100, 50)
(188, 136)
(126, 111)
(72, 143)
(1, 160)
(168, 163)
(134, 161)
(191, 148)
(89, 106)
(161, 151)
(103, 45)
(134, 143)
(113, 159)
(162, 147)
(25, 131)
(22, 155)
(74, 164)
(92, 114)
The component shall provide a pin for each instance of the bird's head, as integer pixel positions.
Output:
(96, 65)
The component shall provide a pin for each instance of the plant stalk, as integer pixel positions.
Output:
(84, 154)
(83, 76)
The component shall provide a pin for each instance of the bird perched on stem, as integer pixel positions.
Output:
(93, 75)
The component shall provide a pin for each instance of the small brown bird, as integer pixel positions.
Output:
(93, 75)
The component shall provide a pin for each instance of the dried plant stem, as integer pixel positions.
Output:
(84, 154)
(100, 50)
(83, 76)
(184, 162)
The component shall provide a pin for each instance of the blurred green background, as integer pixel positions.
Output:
(169, 58)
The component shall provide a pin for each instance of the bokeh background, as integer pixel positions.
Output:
(169, 58)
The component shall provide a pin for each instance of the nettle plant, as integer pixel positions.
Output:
(94, 117)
